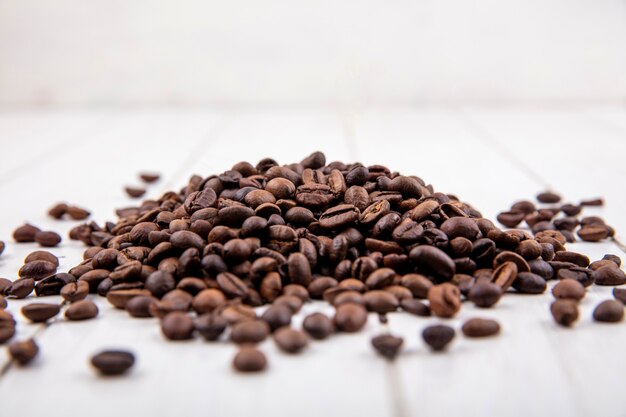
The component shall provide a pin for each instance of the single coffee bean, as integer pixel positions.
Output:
(135, 192)
(418, 284)
(293, 302)
(569, 289)
(77, 213)
(505, 274)
(149, 177)
(485, 294)
(609, 275)
(583, 275)
(120, 298)
(235, 313)
(139, 306)
(433, 260)
(249, 331)
(41, 255)
(160, 283)
(444, 300)
(387, 345)
(548, 197)
(318, 326)
(232, 285)
(210, 326)
(511, 218)
(249, 359)
(48, 239)
(380, 301)
(75, 291)
(350, 317)
(208, 300)
(113, 362)
(40, 312)
(620, 294)
(277, 316)
(380, 278)
(25, 233)
(529, 283)
(290, 340)
(478, 327)
(3, 302)
(415, 307)
(23, 352)
(438, 336)
(177, 325)
(81, 310)
(564, 311)
(609, 311)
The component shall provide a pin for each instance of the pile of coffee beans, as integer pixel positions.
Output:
(361, 238)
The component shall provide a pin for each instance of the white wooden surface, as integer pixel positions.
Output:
(533, 368)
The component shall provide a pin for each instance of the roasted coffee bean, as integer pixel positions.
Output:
(47, 239)
(433, 260)
(569, 289)
(249, 331)
(478, 327)
(582, 275)
(208, 300)
(418, 284)
(81, 310)
(290, 340)
(485, 294)
(461, 227)
(387, 345)
(25, 233)
(37, 270)
(620, 294)
(318, 326)
(231, 285)
(160, 283)
(548, 197)
(58, 210)
(299, 269)
(505, 275)
(339, 217)
(135, 192)
(139, 306)
(149, 177)
(609, 311)
(529, 283)
(380, 301)
(249, 359)
(380, 278)
(593, 232)
(210, 326)
(75, 291)
(235, 313)
(184, 239)
(40, 312)
(573, 257)
(20, 288)
(564, 311)
(41, 255)
(414, 306)
(23, 352)
(277, 316)
(113, 362)
(511, 218)
(293, 302)
(444, 300)
(438, 336)
(120, 298)
(350, 317)
(3, 302)
(609, 275)
(177, 325)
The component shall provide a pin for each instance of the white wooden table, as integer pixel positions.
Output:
(489, 157)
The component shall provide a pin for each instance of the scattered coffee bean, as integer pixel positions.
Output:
(548, 197)
(318, 326)
(81, 310)
(210, 326)
(249, 359)
(47, 239)
(25, 233)
(438, 336)
(569, 289)
(3, 302)
(350, 317)
(177, 325)
(20, 288)
(444, 300)
(42, 255)
(249, 331)
(609, 275)
(139, 306)
(135, 192)
(387, 345)
(620, 294)
(478, 327)
(40, 312)
(485, 294)
(416, 307)
(290, 340)
(149, 177)
(113, 362)
(23, 352)
(75, 291)
(609, 311)
(564, 311)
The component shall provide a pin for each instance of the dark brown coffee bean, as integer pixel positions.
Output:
(609, 311)
(387, 345)
(573, 257)
(25, 233)
(485, 294)
(444, 300)
(548, 197)
(249, 331)
(37, 270)
(75, 291)
(564, 311)
(433, 260)
(177, 325)
(20, 288)
(40, 312)
(231, 285)
(113, 362)
(139, 306)
(438, 337)
(184, 239)
(208, 300)
(380, 301)
(77, 213)
(277, 316)
(511, 218)
(149, 177)
(299, 269)
(47, 239)
(350, 317)
(339, 216)
(58, 210)
(478, 327)
(505, 274)
(210, 326)
(461, 227)
(609, 275)
(569, 289)
(290, 340)
(23, 352)
(235, 313)
(318, 326)
(620, 294)
(42, 255)
(293, 302)
(81, 310)
(160, 283)
(416, 307)
(135, 192)
(593, 232)
(529, 283)
(249, 359)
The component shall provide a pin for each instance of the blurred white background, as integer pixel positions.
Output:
(346, 52)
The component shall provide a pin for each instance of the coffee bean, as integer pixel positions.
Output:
(609, 275)
(529, 283)
(25, 233)
(23, 352)
(20, 288)
(293, 302)
(387, 345)
(277, 316)
(318, 326)
(208, 300)
(569, 289)
(564, 311)
(444, 300)
(120, 298)
(3, 302)
(113, 362)
(75, 291)
(139, 306)
(438, 336)
(42, 255)
(485, 294)
(416, 307)
(231, 285)
(609, 311)
(249, 331)
(339, 216)
(582, 275)
(380, 301)
(160, 283)
(505, 275)
(418, 284)
(290, 340)
(210, 326)
(461, 227)
(478, 327)
(548, 197)
(620, 294)
(249, 359)
(40, 312)
(135, 192)
(350, 317)
(511, 218)
(77, 213)
(47, 239)
(177, 325)
(380, 278)
(593, 233)
(149, 177)
(433, 260)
